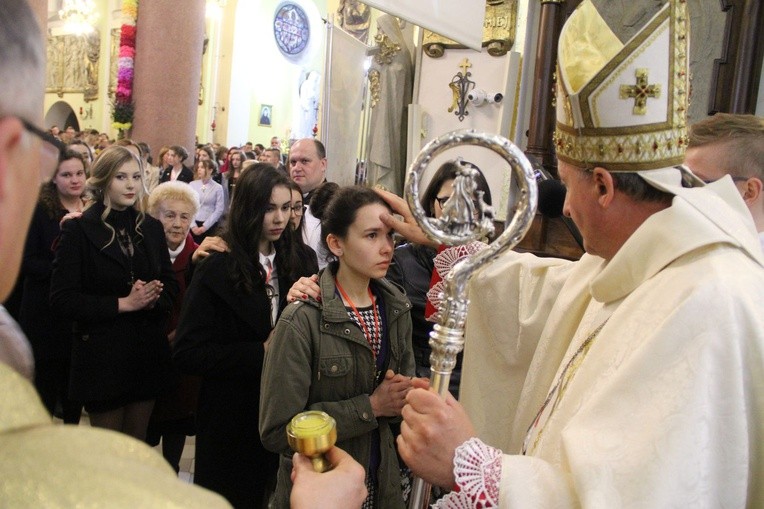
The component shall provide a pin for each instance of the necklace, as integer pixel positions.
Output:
(372, 340)
(126, 245)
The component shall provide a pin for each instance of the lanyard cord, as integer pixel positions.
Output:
(366, 333)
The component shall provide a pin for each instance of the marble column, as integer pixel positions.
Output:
(168, 64)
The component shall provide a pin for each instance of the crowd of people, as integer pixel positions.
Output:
(118, 325)
(220, 293)
(160, 347)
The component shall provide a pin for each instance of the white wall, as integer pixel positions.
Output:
(491, 74)
(260, 74)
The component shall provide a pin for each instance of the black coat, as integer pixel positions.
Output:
(185, 175)
(220, 337)
(50, 336)
(115, 355)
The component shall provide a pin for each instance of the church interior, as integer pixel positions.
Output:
(373, 87)
(375, 82)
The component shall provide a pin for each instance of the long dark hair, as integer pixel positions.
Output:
(245, 227)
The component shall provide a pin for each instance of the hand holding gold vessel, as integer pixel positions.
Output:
(312, 433)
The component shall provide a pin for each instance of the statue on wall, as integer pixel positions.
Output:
(355, 18)
(93, 52)
(54, 72)
(388, 126)
(113, 60)
(306, 116)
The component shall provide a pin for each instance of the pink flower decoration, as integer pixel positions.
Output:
(127, 51)
(123, 110)
(127, 39)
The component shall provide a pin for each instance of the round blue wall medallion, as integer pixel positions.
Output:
(291, 29)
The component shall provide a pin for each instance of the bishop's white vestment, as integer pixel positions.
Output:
(637, 382)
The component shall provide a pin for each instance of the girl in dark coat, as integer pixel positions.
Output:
(228, 313)
(112, 275)
(50, 335)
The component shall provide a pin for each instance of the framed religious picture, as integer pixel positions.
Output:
(265, 114)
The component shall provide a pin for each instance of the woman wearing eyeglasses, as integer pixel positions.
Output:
(297, 224)
(298, 207)
(228, 313)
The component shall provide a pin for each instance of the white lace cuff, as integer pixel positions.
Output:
(443, 263)
(477, 471)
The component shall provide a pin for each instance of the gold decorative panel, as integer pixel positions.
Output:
(73, 65)
(498, 31)
(113, 60)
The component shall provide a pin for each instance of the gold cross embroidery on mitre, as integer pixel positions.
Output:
(640, 92)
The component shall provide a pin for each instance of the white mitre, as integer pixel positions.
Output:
(623, 106)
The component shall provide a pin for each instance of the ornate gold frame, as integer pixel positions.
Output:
(498, 31)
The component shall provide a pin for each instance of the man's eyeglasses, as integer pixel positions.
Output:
(51, 148)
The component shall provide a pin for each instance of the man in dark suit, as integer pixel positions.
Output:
(272, 156)
(177, 170)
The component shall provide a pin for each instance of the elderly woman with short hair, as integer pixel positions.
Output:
(175, 204)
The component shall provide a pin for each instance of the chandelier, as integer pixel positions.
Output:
(78, 15)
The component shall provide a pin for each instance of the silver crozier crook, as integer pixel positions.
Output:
(464, 220)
